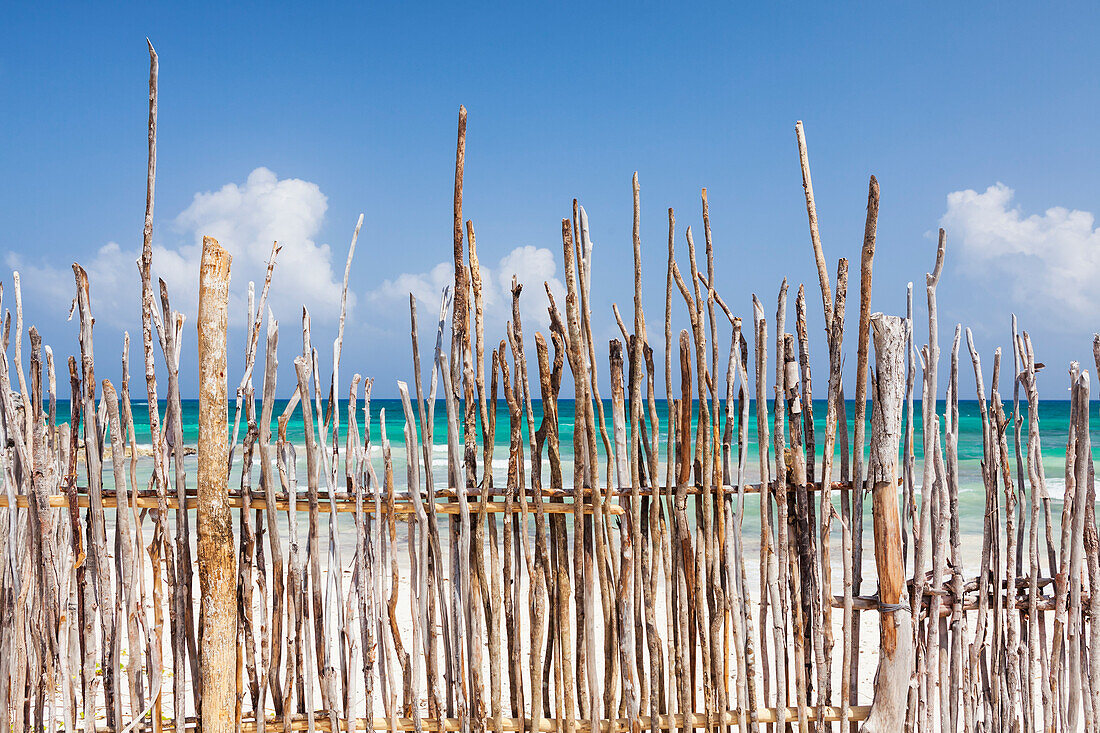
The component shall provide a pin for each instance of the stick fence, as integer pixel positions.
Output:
(632, 599)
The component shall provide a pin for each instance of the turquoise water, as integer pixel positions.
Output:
(1053, 419)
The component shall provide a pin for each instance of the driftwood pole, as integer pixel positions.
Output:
(866, 266)
(892, 678)
(815, 236)
(217, 562)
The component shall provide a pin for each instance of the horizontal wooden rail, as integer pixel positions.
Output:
(345, 502)
(473, 494)
(342, 505)
(871, 603)
(545, 725)
(622, 491)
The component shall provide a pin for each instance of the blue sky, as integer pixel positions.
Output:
(290, 121)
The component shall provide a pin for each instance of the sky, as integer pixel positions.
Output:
(287, 121)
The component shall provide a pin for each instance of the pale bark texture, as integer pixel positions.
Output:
(896, 635)
(217, 561)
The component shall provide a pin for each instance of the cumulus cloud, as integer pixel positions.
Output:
(1049, 260)
(112, 275)
(531, 265)
(246, 219)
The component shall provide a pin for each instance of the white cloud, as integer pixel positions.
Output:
(531, 265)
(1049, 261)
(426, 286)
(245, 218)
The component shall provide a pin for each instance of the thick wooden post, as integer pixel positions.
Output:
(896, 635)
(217, 562)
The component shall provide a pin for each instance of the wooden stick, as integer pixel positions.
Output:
(371, 554)
(892, 678)
(551, 725)
(187, 644)
(815, 236)
(459, 317)
(146, 499)
(97, 540)
(471, 586)
(1092, 552)
(958, 675)
(268, 481)
(494, 559)
(482, 588)
(461, 583)
(511, 542)
(84, 598)
(624, 594)
(719, 631)
(595, 537)
(303, 369)
(835, 342)
(590, 542)
(867, 257)
(124, 571)
(217, 562)
(937, 628)
(1082, 462)
(574, 340)
(782, 545)
(148, 309)
(355, 477)
(459, 341)
(1028, 689)
(246, 646)
(334, 584)
(43, 611)
(1012, 620)
(930, 439)
(742, 460)
(426, 413)
(393, 646)
(418, 610)
(796, 461)
(910, 524)
(988, 476)
(769, 564)
(637, 427)
(1037, 480)
(539, 572)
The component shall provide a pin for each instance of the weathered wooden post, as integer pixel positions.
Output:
(217, 561)
(896, 635)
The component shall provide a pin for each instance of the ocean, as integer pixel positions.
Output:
(1053, 420)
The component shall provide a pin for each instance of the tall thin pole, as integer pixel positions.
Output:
(895, 620)
(217, 561)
